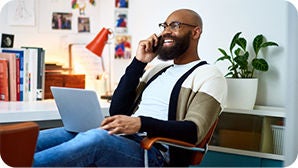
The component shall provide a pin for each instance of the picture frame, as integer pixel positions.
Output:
(21, 13)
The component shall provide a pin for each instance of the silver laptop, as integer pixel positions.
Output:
(79, 108)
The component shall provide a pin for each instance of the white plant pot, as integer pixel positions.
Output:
(242, 93)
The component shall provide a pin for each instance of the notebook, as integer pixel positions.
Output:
(79, 108)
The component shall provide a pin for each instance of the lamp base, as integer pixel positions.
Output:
(106, 96)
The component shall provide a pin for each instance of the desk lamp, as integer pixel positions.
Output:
(96, 46)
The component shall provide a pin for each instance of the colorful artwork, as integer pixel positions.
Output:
(123, 47)
(121, 21)
(121, 3)
(81, 5)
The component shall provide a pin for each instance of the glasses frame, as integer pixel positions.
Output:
(175, 25)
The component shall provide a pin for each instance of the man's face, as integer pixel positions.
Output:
(173, 46)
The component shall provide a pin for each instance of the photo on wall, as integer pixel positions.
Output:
(121, 3)
(61, 21)
(123, 47)
(7, 40)
(121, 21)
(83, 24)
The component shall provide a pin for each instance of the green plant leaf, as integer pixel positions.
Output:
(242, 61)
(246, 74)
(242, 43)
(257, 42)
(269, 43)
(223, 51)
(233, 67)
(229, 74)
(237, 51)
(223, 58)
(233, 42)
(225, 55)
(260, 64)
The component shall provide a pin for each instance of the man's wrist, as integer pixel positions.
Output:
(140, 59)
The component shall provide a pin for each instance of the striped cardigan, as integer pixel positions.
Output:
(200, 101)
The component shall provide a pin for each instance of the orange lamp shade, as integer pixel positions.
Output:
(97, 44)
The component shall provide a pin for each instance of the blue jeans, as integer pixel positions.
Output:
(58, 147)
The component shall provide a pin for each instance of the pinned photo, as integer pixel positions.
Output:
(61, 21)
(123, 47)
(83, 24)
(121, 21)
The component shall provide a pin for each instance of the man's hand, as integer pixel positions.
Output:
(145, 52)
(121, 124)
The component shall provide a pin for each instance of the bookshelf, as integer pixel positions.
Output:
(248, 135)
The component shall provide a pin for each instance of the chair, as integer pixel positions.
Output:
(198, 150)
(18, 143)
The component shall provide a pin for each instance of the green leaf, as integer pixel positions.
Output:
(246, 74)
(223, 52)
(242, 61)
(223, 58)
(233, 42)
(237, 51)
(229, 74)
(269, 43)
(257, 42)
(233, 67)
(260, 64)
(242, 43)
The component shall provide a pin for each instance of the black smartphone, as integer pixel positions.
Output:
(159, 43)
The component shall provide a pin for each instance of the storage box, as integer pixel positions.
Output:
(63, 80)
(239, 139)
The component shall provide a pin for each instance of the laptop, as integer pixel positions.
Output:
(79, 108)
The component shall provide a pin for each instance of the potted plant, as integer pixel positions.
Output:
(243, 66)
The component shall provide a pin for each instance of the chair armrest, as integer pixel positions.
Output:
(199, 150)
(147, 143)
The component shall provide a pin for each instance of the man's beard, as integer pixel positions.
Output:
(175, 51)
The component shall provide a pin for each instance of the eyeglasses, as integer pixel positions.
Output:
(173, 25)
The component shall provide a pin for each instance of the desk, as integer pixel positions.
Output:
(43, 112)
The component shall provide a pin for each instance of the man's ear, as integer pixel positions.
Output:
(197, 32)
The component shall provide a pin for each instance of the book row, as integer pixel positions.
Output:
(22, 74)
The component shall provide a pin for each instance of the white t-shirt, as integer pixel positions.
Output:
(155, 98)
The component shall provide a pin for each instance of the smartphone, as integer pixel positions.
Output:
(159, 43)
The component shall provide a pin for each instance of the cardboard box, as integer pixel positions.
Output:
(63, 80)
(239, 139)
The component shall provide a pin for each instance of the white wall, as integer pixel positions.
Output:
(222, 19)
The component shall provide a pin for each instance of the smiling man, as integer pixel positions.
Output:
(181, 101)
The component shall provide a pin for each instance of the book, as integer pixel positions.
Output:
(4, 80)
(12, 61)
(17, 69)
(19, 54)
(32, 73)
(41, 75)
(26, 77)
(40, 72)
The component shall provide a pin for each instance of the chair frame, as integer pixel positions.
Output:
(199, 150)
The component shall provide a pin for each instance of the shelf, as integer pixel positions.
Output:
(248, 132)
(246, 153)
(269, 111)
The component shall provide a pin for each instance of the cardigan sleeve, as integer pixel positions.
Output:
(182, 130)
(124, 95)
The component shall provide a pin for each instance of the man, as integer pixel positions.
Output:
(179, 101)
